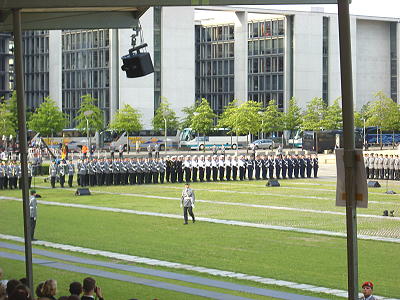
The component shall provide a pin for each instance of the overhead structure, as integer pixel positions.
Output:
(18, 15)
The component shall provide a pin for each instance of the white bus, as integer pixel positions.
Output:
(144, 138)
(189, 139)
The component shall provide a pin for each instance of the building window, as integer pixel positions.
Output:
(214, 57)
(266, 61)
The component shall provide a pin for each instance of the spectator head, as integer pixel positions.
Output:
(49, 288)
(63, 298)
(89, 285)
(20, 292)
(11, 285)
(24, 281)
(73, 297)
(367, 288)
(75, 288)
(3, 292)
(38, 290)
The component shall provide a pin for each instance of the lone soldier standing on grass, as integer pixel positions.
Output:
(33, 213)
(187, 201)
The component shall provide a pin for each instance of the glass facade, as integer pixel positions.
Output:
(157, 56)
(325, 58)
(6, 65)
(266, 61)
(393, 61)
(85, 70)
(36, 67)
(215, 65)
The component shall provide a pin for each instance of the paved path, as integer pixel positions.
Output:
(174, 265)
(164, 274)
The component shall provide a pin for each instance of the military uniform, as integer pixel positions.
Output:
(53, 170)
(71, 173)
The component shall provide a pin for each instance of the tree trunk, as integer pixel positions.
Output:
(381, 140)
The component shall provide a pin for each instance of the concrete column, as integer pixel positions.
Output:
(114, 69)
(55, 66)
(241, 50)
(288, 62)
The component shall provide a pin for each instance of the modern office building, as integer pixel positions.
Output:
(217, 53)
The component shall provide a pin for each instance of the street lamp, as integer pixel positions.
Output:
(262, 123)
(164, 114)
(365, 142)
(198, 142)
(87, 114)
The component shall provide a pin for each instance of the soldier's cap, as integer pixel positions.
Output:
(369, 284)
(187, 183)
(33, 192)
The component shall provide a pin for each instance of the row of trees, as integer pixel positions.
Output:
(240, 118)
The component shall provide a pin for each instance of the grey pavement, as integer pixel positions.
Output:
(151, 272)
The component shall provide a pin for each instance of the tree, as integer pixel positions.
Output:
(292, 117)
(226, 119)
(358, 120)
(383, 113)
(127, 119)
(165, 112)
(48, 118)
(203, 118)
(6, 124)
(11, 106)
(272, 118)
(313, 117)
(95, 118)
(333, 116)
(188, 112)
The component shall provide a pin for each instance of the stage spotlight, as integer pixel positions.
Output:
(136, 63)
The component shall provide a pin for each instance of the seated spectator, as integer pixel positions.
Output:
(11, 285)
(24, 281)
(90, 289)
(2, 281)
(38, 290)
(20, 292)
(3, 293)
(49, 289)
(75, 288)
(74, 297)
(63, 298)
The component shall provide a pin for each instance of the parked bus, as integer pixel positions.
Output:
(189, 139)
(373, 135)
(328, 140)
(76, 138)
(144, 138)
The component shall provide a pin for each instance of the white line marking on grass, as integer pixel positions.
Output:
(218, 221)
(225, 191)
(175, 265)
(273, 207)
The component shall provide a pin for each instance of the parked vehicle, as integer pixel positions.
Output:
(262, 144)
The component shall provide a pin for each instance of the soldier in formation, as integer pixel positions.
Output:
(382, 166)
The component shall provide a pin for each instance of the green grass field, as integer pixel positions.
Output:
(299, 257)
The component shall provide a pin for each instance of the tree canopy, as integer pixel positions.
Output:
(164, 111)
(48, 118)
(6, 124)
(272, 118)
(292, 118)
(126, 119)
(203, 117)
(313, 117)
(96, 121)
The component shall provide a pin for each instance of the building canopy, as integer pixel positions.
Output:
(85, 14)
